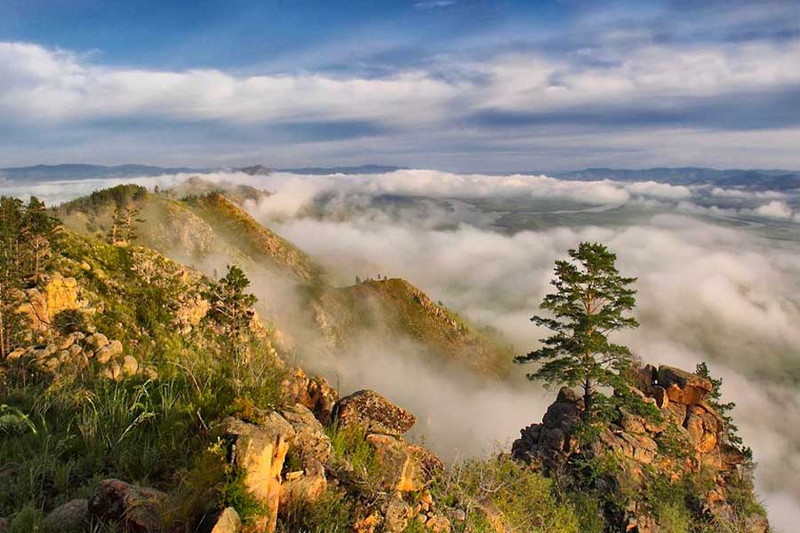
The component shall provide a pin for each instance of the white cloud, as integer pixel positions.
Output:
(529, 83)
(55, 85)
(774, 209)
(49, 85)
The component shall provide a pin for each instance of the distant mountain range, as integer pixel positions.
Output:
(81, 171)
(749, 179)
(757, 179)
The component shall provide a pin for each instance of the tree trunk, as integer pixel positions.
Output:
(2, 336)
(588, 392)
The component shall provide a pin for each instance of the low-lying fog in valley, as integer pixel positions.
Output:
(718, 269)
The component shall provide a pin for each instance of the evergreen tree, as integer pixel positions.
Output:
(11, 321)
(590, 302)
(39, 235)
(132, 222)
(232, 310)
(115, 231)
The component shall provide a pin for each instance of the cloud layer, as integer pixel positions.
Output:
(494, 106)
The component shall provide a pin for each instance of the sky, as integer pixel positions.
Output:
(458, 85)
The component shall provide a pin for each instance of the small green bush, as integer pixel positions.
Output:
(524, 499)
(330, 513)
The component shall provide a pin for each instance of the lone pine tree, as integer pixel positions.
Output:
(590, 302)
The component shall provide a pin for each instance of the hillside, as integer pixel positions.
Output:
(196, 224)
(191, 224)
(394, 308)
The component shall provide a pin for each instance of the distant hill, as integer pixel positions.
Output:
(193, 228)
(81, 171)
(776, 180)
(85, 171)
(754, 179)
(363, 169)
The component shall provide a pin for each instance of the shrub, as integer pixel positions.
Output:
(503, 490)
(330, 513)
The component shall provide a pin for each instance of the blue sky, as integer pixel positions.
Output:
(451, 84)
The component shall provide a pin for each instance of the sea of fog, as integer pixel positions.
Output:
(718, 277)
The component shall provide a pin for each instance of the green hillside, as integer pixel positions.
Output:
(206, 223)
(395, 309)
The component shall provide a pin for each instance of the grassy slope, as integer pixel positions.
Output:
(192, 229)
(396, 308)
(84, 427)
(201, 225)
(239, 228)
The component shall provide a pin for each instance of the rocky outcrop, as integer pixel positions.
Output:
(687, 421)
(315, 393)
(58, 294)
(258, 453)
(134, 509)
(374, 413)
(285, 457)
(75, 352)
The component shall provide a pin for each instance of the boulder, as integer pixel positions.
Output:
(59, 294)
(71, 517)
(683, 387)
(301, 488)
(129, 366)
(430, 465)
(397, 515)
(398, 468)
(310, 444)
(374, 413)
(97, 341)
(135, 509)
(259, 451)
(314, 393)
(106, 352)
(228, 521)
(438, 524)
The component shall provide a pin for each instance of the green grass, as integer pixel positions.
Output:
(349, 444)
(522, 499)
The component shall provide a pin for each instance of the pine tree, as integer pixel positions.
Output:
(11, 321)
(39, 234)
(132, 222)
(115, 231)
(232, 310)
(591, 301)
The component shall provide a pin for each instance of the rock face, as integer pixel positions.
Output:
(374, 413)
(686, 419)
(59, 294)
(135, 509)
(259, 451)
(681, 386)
